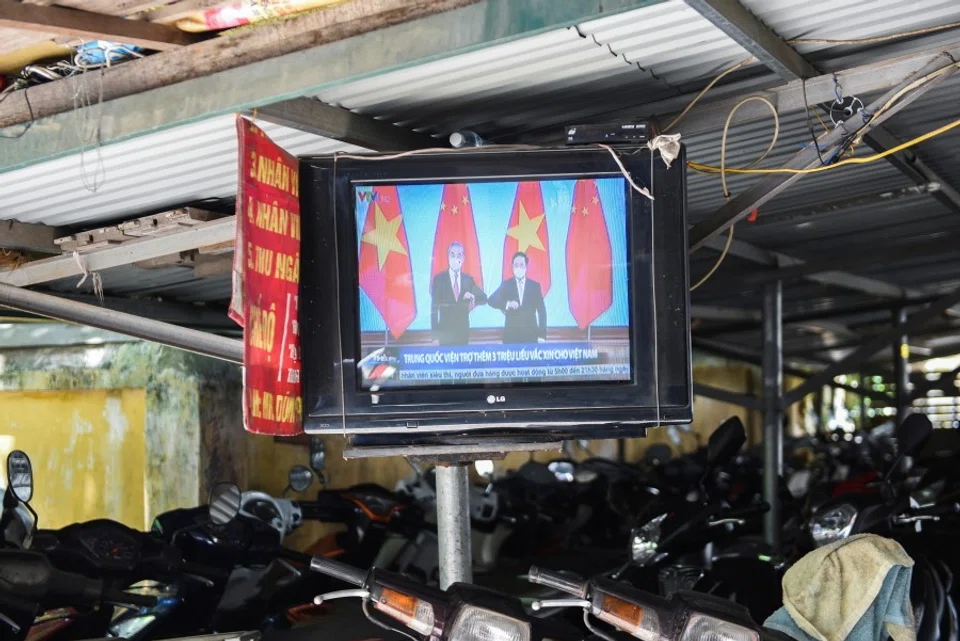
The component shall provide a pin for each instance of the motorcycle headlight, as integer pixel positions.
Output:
(702, 627)
(479, 624)
(645, 539)
(832, 524)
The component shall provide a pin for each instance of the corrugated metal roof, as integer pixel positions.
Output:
(849, 19)
(619, 61)
(150, 173)
(624, 60)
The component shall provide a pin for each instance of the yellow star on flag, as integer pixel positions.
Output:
(384, 236)
(455, 210)
(526, 231)
(595, 200)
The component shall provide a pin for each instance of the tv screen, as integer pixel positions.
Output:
(510, 282)
(445, 295)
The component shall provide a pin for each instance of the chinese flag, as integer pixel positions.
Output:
(456, 225)
(385, 272)
(527, 232)
(589, 256)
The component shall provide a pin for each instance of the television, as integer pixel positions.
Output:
(494, 292)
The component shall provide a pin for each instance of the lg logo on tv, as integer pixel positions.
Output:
(496, 399)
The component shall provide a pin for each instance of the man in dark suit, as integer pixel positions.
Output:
(453, 295)
(521, 301)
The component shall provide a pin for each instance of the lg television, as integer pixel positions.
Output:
(494, 291)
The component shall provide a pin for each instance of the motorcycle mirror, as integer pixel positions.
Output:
(725, 441)
(225, 501)
(318, 455)
(20, 475)
(563, 470)
(484, 469)
(913, 434)
(300, 478)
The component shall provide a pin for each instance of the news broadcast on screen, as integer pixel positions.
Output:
(505, 282)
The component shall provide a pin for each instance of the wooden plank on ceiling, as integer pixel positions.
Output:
(85, 24)
(235, 50)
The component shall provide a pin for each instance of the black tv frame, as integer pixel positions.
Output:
(329, 302)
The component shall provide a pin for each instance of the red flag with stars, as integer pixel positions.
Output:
(456, 225)
(386, 275)
(589, 256)
(527, 232)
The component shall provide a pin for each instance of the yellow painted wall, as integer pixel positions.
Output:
(88, 451)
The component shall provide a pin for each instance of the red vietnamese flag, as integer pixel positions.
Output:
(386, 275)
(456, 225)
(589, 256)
(527, 232)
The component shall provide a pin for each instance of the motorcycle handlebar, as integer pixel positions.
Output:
(121, 598)
(557, 581)
(338, 570)
(747, 512)
(946, 509)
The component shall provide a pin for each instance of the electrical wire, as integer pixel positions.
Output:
(806, 113)
(723, 171)
(726, 131)
(866, 41)
(626, 174)
(716, 265)
(703, 92)
(919, 82)
(849, 161)
(613, 154)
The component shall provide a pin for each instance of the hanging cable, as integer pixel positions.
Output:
(704, 91)
(875, 39)
(806, 113)
(849, 161)
(726, 131)
(716, 265)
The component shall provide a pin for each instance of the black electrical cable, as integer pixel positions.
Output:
(806, 112)
(29, 123)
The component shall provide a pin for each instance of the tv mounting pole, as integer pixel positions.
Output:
(453, 524)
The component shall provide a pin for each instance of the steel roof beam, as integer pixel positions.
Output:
(735, 20)
(862, 354)
(909, 164)
(748, 31)
(768, 188)
(748, 401)
(192, 340)
(737, 353)
(320, 119)
(812, 315)
(184, 314)
(214, 232)
(843, 280)
(806, 270)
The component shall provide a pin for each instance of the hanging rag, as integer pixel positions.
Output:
(856, 589)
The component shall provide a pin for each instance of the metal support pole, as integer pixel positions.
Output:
(148, 329)
(453, 524)
(901, 366)
(772, 409)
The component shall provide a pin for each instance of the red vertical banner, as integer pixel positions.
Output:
(589, 256)
(527, 233)
(455, 225)
(266, 276)
(386, 274)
